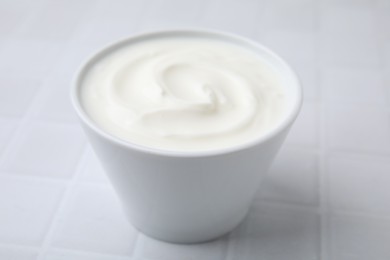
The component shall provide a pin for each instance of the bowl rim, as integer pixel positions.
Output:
(286, 121)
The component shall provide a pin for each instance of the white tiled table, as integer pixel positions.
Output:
(328, 193)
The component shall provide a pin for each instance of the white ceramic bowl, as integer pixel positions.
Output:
(188, 197)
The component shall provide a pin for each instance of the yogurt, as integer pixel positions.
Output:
(183, 94)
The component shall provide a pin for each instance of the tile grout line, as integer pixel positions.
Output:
(19, 246)
(14, 137)
(322, 136)
(361, 214)
(63, 181)
(323, 180)
(356, 152)
(32, 178)
(23, 122)
(61, 206)
(229, 250)
(139, 244)
(323, 187)
(91, 253)
(287, 205)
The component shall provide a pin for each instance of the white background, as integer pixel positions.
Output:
(327, 195)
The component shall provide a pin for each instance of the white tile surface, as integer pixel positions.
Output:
(353, 52)
(17, 94)
(68, 15)
(92, 170)
(295, 16)
(305, 131)
(52, 105)
(383, 21)
(21, 222)
(28, 58)
(359, 128)
(387, 54)
(12, 253)
(326, 196)
(14, 14)
(58, 254)
(117, 21)
(360, 86)
(7, 127)
(387, 82)
(218, 14)
(94, 222)
(276, 232)
(351, 3)
(293, 178)
(166, 10)
(348, 36)
(341, 20)
(44, 149)
(296, 47)
(359, 183)
(310, 77)
(360, 237)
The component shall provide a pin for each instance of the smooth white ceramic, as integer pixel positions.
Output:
(188, 197)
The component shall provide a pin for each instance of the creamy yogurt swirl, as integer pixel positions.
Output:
(183, 94)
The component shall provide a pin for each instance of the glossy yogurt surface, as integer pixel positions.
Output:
(183, 94)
